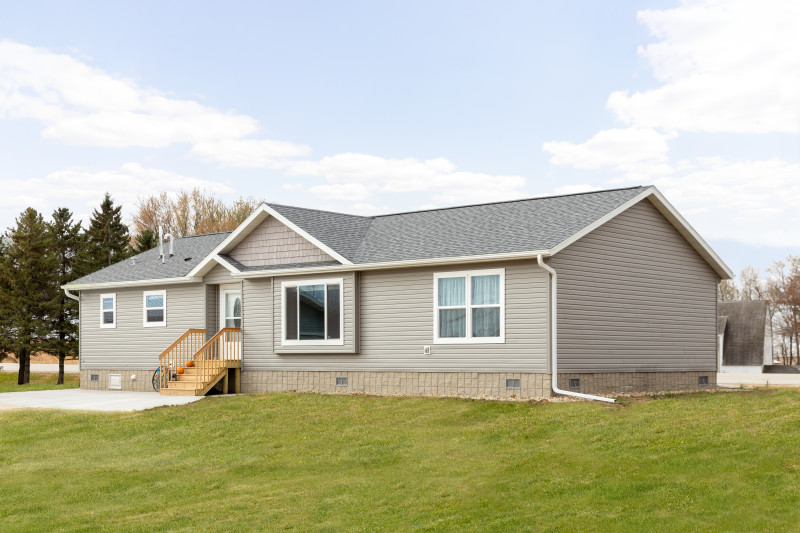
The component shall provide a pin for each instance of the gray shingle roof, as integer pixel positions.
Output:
(500, 227)
(189, 251)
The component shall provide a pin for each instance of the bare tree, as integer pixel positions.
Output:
(190, 213)
(784, 292)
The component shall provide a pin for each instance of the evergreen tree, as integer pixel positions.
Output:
(65, 237)
(107, 238)
(5, 328)
(146, 240)
(27, 289)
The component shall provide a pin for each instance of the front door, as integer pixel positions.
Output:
(231, 317)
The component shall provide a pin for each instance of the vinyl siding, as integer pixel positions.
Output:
(212, 311)
(395, 318)
(130, 344)
(273, 243)
(634, 296)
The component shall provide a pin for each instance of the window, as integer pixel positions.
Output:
(312, 312)
(469, 307)
(155, 309)
(108, 310)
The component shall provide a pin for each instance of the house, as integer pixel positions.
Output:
(745, 337)
(613, 289)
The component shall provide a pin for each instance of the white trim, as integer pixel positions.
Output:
(136, 283)
(113, 296)
(223, 290)
(147, 324)
(672, 215)
(256, 218)
(232, 269)
(325, 282)
(434, 261)
(469, 339)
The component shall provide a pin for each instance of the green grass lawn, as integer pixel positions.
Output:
(308, 462)
(39, 381)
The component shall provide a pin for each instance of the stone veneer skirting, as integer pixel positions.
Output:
(142, 383)
(456, 384)
(453, 384)
(636, 382)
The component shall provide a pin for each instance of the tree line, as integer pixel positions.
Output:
(38, 256)
(781, 290)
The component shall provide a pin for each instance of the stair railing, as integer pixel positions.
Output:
(223, 350)
(179, 352)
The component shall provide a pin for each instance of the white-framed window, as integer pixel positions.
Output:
(313, 312)
(469, 306)
(154, 309)
(108, 310)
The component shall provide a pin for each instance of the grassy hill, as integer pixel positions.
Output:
(307, 462)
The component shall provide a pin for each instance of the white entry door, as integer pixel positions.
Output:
(231, 317)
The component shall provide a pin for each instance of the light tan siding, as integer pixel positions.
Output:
(257, 321)
(130, 344)
(273, 243)
(396, 322)
(212, 311)
(634, 296)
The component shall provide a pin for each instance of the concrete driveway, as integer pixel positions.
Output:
(90, 400)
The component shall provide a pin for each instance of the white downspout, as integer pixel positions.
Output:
(70, 295)
(554, 338)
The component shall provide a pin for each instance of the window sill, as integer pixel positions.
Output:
(464, 340)
(154, 325)
(108, 326)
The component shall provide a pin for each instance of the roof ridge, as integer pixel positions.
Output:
(511, 201)
(321, 210)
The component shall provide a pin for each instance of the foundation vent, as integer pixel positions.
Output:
(94, 377)
(341, 382)
(513, 383)
(574, 383)
(702, 380)
(115, 381)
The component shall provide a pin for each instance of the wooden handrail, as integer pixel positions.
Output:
(223, 350)
(180, 351)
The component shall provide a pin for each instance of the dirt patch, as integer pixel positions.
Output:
(41, 358)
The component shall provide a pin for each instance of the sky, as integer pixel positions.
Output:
(374, 107)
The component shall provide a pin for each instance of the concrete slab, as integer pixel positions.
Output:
(90, 400)
(773, 380)
(14, 367)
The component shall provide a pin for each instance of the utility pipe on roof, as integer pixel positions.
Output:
(554, 338)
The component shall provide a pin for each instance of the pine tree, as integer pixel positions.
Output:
(26, 288)
(107, 238)
(66, 241)
(146, 240)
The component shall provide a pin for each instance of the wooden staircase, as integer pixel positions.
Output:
(217, 360)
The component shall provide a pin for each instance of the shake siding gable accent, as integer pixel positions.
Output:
(130, 345)
(273, 243)
(634, 296)
(395, 323)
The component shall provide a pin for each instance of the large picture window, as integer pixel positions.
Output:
(469, 306)
(155, 309)
(108, 310)
(312, 312)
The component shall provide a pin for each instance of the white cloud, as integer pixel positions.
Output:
(81, 105)
(754, 202)
(249, 152)
(359, 177)
(81, 189)
(725, 66)
(626, 150)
